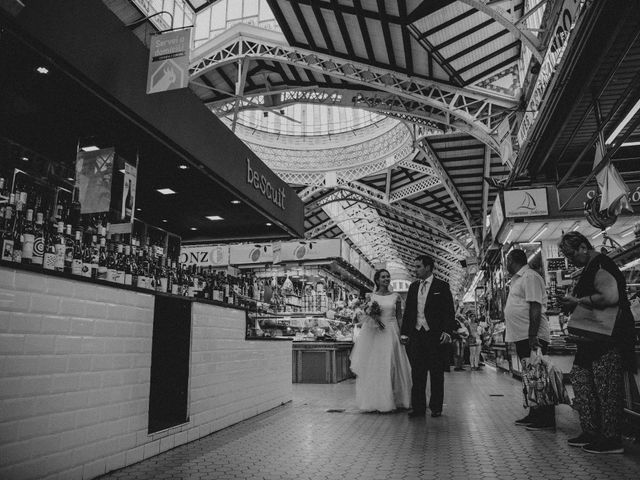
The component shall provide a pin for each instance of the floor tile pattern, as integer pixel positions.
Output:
(321, 435)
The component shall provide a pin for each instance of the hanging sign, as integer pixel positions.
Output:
(205, 255)
(504, 139)
(496, 218)
(169, 61)
(310, 250)
(564, 25)
(577, 203)
(526, 203)
(250, 253)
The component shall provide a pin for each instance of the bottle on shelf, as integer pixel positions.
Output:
(28, 238)
(102, 259)
(38, 240)
(68, 250)
(50, 257)
(77, 260)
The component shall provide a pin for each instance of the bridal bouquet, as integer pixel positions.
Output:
(372, 309)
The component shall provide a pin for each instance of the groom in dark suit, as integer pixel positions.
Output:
(427, 325)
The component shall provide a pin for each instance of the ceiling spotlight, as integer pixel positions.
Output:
(268, 224)
(138, 209)
(165, 191)
(213, 218)
(164, 220)
(182, 166)
(193, 228)
(71, 179)
(24, 159)
(235, 202)
(42, 70)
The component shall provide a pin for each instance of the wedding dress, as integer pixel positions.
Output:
(383, 373)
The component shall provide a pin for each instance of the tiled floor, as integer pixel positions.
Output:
(474, 439)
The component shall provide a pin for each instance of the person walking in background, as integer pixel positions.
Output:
(459, 339)
(598, 369)
(427, 325)
(527, 326)
(475, 342)
(383, 373)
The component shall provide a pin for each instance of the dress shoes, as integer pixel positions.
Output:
(436, 414)
(416, 414)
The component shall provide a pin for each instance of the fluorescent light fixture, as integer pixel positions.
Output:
(630, 144)
(90, 148)
(628, 232)
(235, 202)
(630, 264)
(539, 233)
(213, 218)
(165, 191)
(600, 233)
(575, 226)
(533, 254)
(506, 239)
(42, 70)
(623, 123)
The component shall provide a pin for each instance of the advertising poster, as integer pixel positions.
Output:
(128, 204)
(205, 255)
(526, 203)
(94, 175)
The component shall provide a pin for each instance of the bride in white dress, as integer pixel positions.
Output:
(383, 373)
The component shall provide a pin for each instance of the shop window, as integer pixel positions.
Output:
(169, 392)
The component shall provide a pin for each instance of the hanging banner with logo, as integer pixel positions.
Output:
(169, 61)
(310, 250)
(526, 203)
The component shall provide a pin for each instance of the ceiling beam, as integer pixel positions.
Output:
(486, 173)
(426, 8)
(508, 21)
(434, 162)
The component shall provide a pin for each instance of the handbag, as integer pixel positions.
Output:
(542, 382)
(593, 323)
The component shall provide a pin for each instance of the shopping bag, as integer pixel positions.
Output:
(593, 323)
(542, 383)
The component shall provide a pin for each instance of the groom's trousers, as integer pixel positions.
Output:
(426, 356)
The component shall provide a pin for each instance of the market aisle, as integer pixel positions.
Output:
(474, 439)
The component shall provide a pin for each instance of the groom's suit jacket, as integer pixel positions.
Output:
(438, 309)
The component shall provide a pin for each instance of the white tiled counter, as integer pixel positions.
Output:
(75, 376)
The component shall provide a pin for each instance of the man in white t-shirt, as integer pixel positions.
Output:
(527, 326)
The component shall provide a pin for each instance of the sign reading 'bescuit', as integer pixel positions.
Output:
(260, 183)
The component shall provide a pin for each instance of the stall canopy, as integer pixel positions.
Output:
(96, 60)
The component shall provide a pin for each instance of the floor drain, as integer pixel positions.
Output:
(335, 410)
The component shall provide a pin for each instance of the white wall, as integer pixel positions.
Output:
(74, 376)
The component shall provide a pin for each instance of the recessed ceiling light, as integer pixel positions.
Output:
(268, 224)
(193, 228)
(71, 179)
(213, 218)
(139, 209)
(25, 159)
(182, 166)
(164, 220)
(165, 191)
(90, 148)
(235, 202)
(42, 70)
